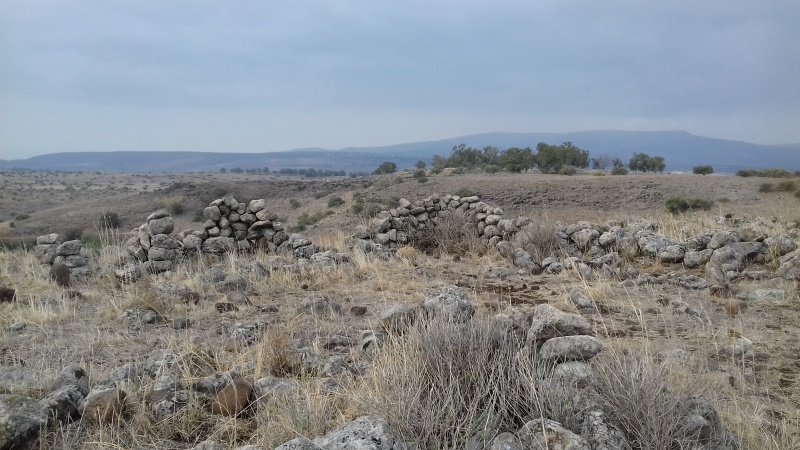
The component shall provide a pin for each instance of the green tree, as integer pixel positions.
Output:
(703, 170)
(517, 159)
(386, 167)
(420, 164)
(551, 158)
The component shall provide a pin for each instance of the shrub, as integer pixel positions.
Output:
(11, 224)
(447, 382)
(568, 170)
(321, 194)
(22, 217)
(797, 193)
(294, 203)
(703, 170)
(766, 187)
(786, 186)
(333, 202)
(465, 192)
(305, 220)
(619, 170)
(680, 204)
(422, 180)
(110, 221)
(764, 173)
(173, 204)
(91, 241)
(419, 173)
(599, 174)
(491, 168)
(451, 235)
(198, 217)
(386, 167)
(72, 233)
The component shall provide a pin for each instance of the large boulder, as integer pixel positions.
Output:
(20, 420)
(550, 322)
(364, 433)
(450, 303)
(789, 267)
(549, 434)
(726, 262)
(570, 348)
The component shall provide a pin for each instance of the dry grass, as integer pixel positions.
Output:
(440, 384)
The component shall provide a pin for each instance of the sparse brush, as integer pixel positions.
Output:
(450, 235)
(444, 382)
(173, 204)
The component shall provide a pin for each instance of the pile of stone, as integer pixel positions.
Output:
(152, 244)
(50, 250)
(396, 226)
(246, 224)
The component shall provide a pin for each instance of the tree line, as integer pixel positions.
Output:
(564, 158)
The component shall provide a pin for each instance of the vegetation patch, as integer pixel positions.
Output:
(680, 204)
(305, 220)
(173, 204)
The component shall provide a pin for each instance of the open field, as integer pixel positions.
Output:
(431, 388)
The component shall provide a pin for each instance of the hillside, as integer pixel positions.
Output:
(681, 150)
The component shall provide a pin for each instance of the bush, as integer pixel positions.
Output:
(173, 204)
(294, 203)
(568, 170)
(333, 202)
(452, 235)
(703, 170)
(619, 170)
(91, 241)
(680, 204)
(305, 220)
(491, 168)
(110, 221)
(321, 194)
(422, 180)
(765, 173)
(599, 174)
(465, 192)
(786, 186)
(766, 187)
(386, 167)
(22, 217)
(198, 217)
(419, 173)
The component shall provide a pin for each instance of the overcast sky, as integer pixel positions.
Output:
(250, 76)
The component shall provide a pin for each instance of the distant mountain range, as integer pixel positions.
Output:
(680, 149)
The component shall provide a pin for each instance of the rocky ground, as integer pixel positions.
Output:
(429, 345)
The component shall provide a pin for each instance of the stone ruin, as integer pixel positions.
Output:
(588, 248)
(50, 250)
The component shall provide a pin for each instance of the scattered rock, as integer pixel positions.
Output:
(450, 303)
(570, 348)
(550, 322)
(7, 294)
(549, 434)
(397, 317)
(21, 418)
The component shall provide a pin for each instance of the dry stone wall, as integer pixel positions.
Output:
(725, 254)
(51, 250)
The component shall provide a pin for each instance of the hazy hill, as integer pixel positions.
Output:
(681, 150)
